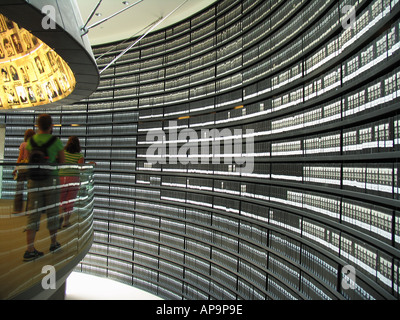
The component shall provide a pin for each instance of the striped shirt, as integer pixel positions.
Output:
(71, 158)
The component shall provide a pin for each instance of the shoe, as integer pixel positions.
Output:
(29, 256)
(55, 246)
(17, 211)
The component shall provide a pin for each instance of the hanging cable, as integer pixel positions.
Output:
(147, 32)
(130, 38)
(85, 31)
(91, 16)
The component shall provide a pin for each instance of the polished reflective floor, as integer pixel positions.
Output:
(81, 286)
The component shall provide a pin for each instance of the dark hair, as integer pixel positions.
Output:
(28, 134)
(44, 122)
(73, 145)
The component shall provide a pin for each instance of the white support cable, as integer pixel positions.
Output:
(126, 40)
(109, 17)
(90, 17)
(147, 32)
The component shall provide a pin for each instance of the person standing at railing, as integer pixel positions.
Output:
(69, 178)
(21, 174)
(45, 192)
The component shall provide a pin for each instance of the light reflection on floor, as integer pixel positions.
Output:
(80, 286)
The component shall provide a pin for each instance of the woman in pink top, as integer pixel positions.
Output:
(20, 174)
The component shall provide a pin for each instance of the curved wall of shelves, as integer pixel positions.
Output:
(319, 100)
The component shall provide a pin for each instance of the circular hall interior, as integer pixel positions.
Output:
(244, 150)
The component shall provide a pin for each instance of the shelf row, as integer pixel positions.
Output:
(192, 76)
(375, 219)
(209, 146)
(221, 30)
(208, 241)
(375, 94)
(379, 95)
(222, 11)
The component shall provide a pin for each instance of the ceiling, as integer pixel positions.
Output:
(132, 21)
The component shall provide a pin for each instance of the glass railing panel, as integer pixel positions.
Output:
(53, 216)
